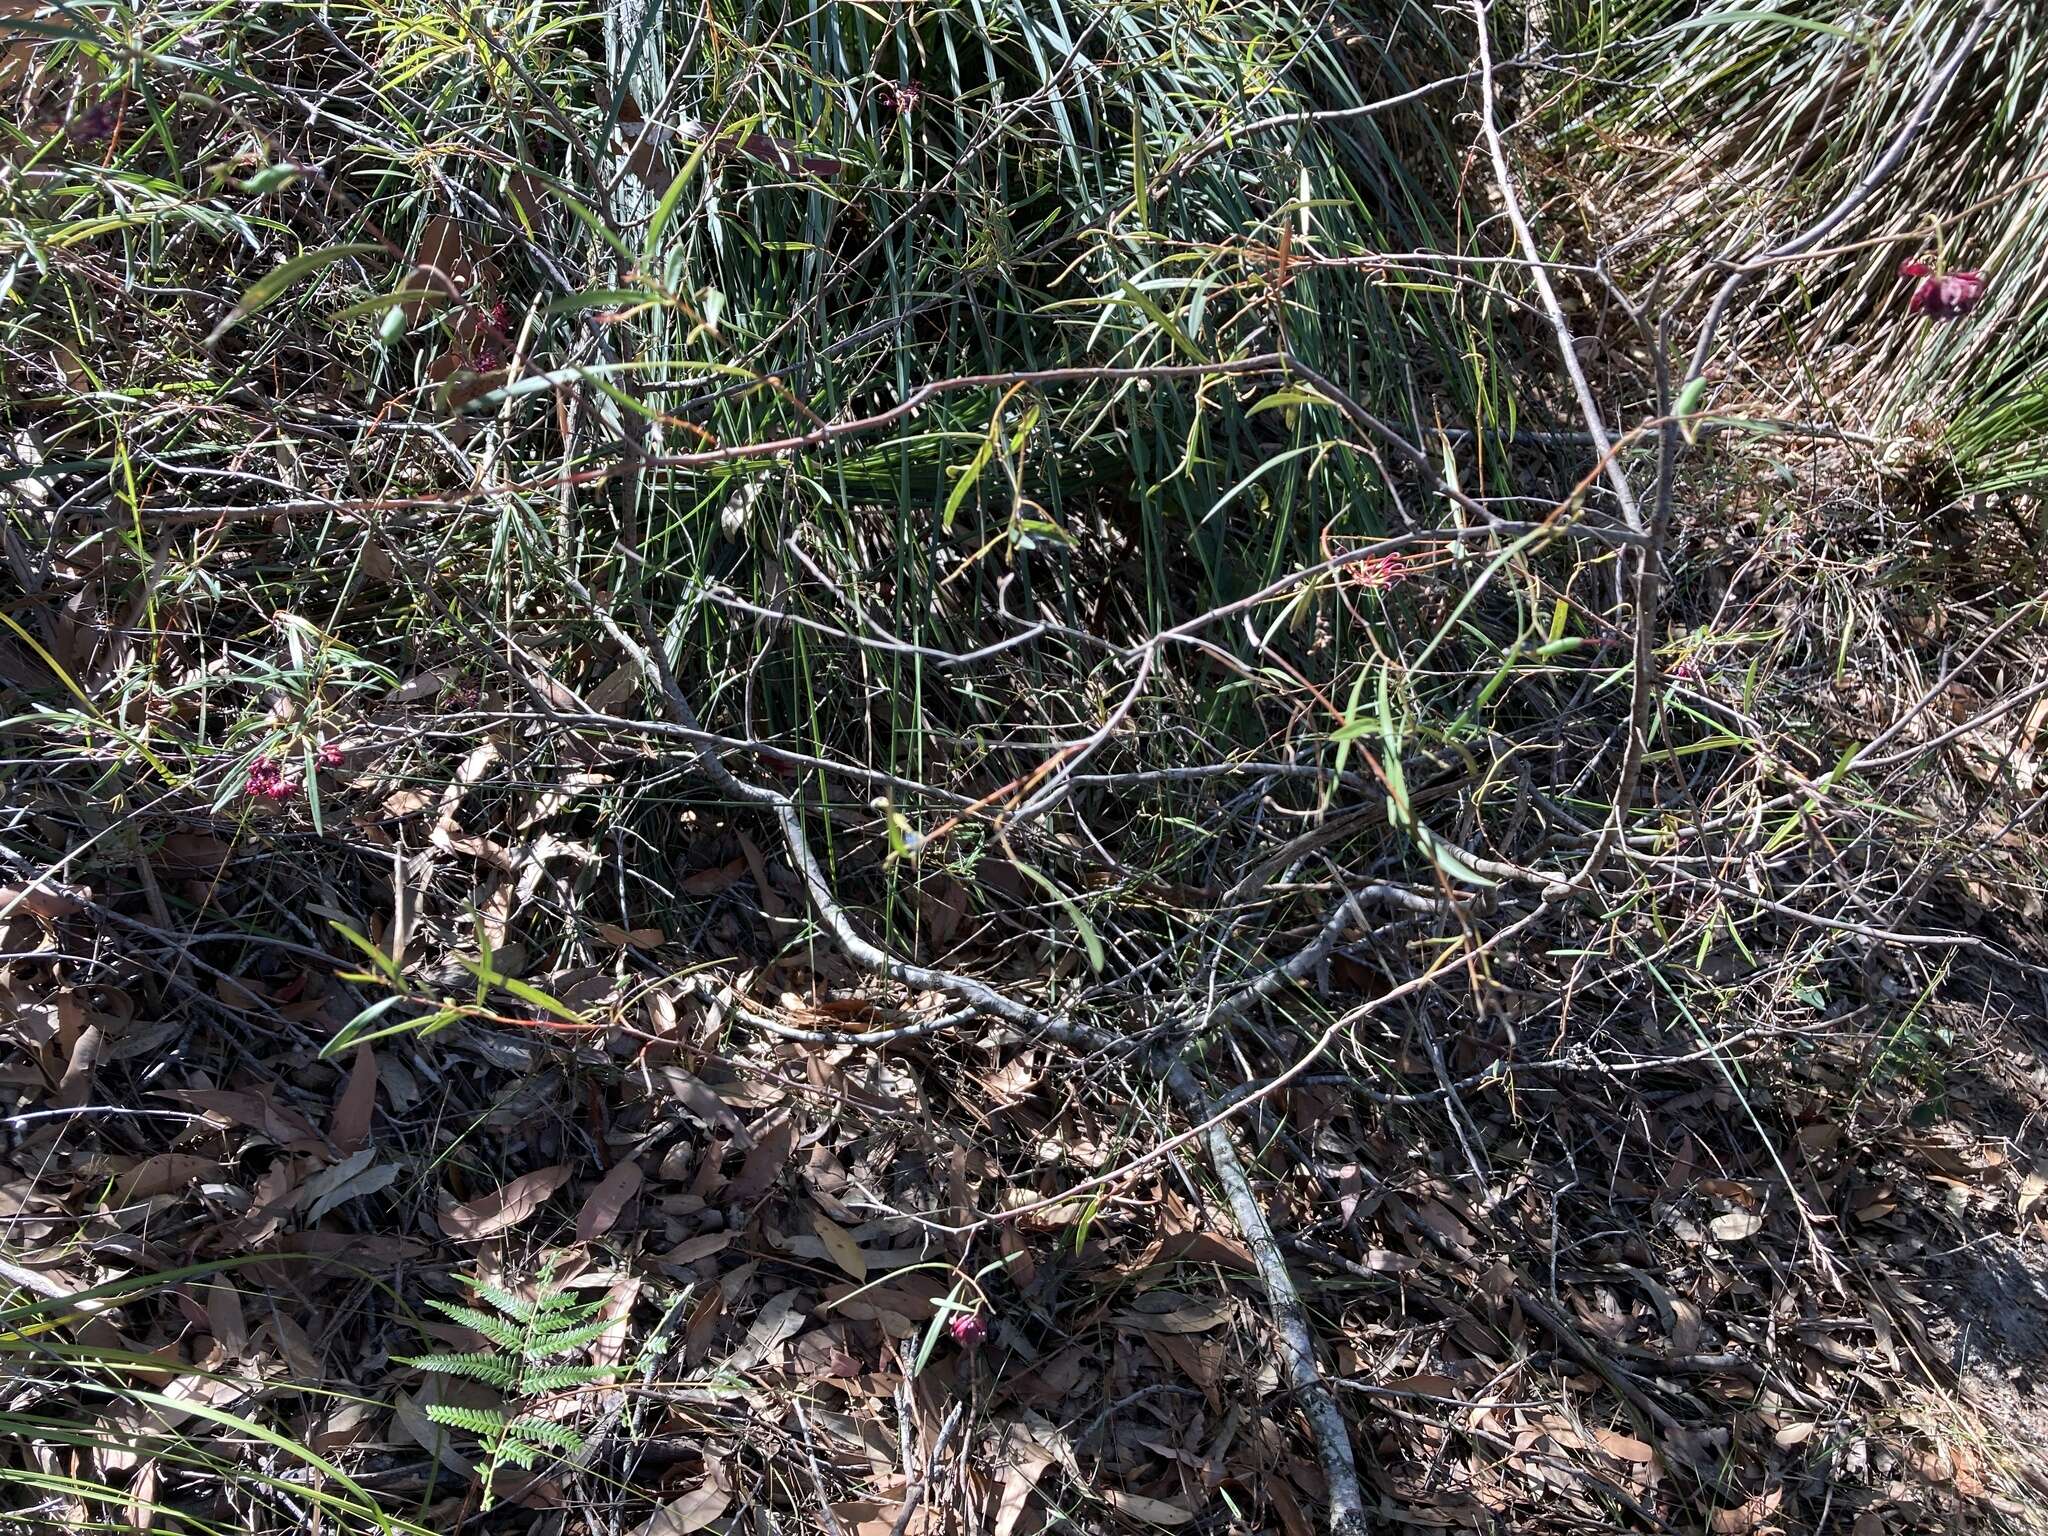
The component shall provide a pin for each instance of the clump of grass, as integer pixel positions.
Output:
(1744, 122)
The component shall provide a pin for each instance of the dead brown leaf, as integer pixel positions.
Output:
(1024, 1463)
(447, 265)
(942, 903)
(238, 995)
(192, 852)
(692, 1250)
(163, 1174)
(2032, 1188)
(692, 1512)
(1294, 1519)
(702, 1329)
(702, 1100)
(409, 1414)
(503, 1208)
(606, 1203)
(75, 1086)
(1150, 1510)
(710, 882)
(45, 903)
(1740, 1519)
(1196, 1248)
(1736, 1226)
(765, 1162)
(257, 1111)
(637, 938)
(1624, 1447)
(17, 47)
(350, 1127)
(1172, 1312)
(777, 1321)
(771, 899)
(839, 1245)
(225, 1319)
(772, 150)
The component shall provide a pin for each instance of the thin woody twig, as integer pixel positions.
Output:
(1294, 1336)
(1539, 273)
(914, 1496)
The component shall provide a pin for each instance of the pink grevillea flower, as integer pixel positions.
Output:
(1942, 295)
(267, 781)
(330, 754)
(1382, 571)
(968, 1329)
(901, 98)
(95, 123)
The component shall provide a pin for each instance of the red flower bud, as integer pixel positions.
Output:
(968, 1329)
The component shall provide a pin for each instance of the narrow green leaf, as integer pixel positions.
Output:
(1688, 405)
(1090, 940)
(1164, 321)
(525, 991)
(969, 478)
(378, 958)
(1447, 859)
(1282, 399)
(377, 303)
(1774, 18)
(268, 288)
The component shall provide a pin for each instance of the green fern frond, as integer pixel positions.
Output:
(548, 1345)
(516, 1452)
(546, 1432)
(493, 1369)
(486, 1423)
(532, 1337)
(518, 1308)
(554, 1378)
(564, 1303)
(495, 1329)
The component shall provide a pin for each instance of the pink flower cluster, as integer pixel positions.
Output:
(1382, 571)
(267, 781)
(490, 350)
(330, 754)
(901, 98)
(969, 1329)
(1942, 295)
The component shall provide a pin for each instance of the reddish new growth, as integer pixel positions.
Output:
(267, 781)
(968, 1330)
(1942, 295)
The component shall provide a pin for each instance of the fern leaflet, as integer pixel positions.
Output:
(532, 1338)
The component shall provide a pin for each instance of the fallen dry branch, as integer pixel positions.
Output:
(1347, 1514)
